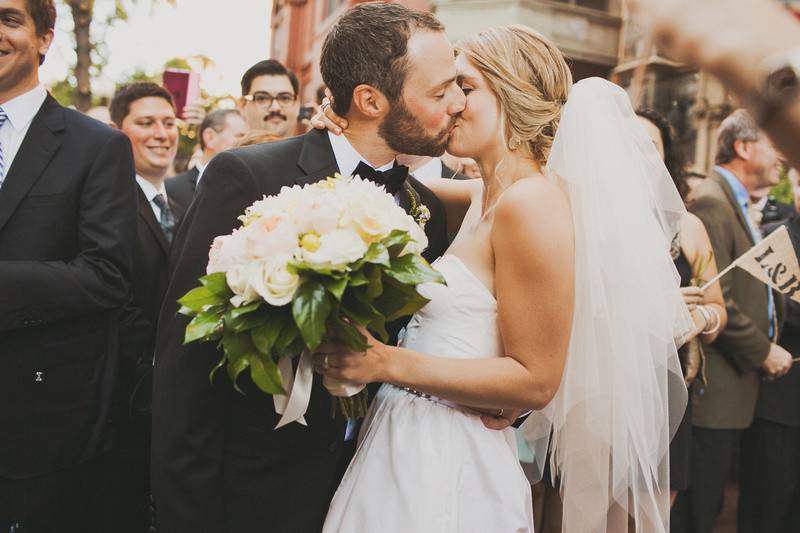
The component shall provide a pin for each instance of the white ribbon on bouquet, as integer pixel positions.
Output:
(293, 406)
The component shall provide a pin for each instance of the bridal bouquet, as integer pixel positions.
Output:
(307, 263)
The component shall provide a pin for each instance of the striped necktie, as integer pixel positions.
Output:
(168, 219)
(3, 118)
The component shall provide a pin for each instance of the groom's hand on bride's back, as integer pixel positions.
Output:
(500, 420)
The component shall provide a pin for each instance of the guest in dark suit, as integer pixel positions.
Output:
(67, 227)
(745, 350)
(770, 473)
(218, 464)
(220, 130)
(144, 112)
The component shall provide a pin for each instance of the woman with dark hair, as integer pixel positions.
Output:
(695, 263)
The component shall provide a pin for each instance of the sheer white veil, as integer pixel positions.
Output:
(622, 394)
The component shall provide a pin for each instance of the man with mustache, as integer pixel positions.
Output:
(270, 98)
(218, 464)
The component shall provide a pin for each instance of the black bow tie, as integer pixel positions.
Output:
(391, 179)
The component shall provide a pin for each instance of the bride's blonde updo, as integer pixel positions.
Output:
(530, 78)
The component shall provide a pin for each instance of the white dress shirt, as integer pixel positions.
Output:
(201, 167)
(20, 111)
(429, 171)
(151, 192)
(348, 158)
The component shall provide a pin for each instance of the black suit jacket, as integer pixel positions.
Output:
(779, 400)
(148, 285)
(202, 431)
(181, 187)
(67, 226)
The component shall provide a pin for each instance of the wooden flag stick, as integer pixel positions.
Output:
(725, 271)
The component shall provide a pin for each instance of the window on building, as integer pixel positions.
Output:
(600, 5)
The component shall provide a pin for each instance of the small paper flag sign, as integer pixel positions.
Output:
(772, 261)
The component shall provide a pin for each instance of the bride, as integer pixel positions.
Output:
(561, 298)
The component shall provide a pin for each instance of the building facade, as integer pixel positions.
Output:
(596, 36)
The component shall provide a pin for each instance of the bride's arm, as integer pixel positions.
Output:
(534, 279)
(456, 196)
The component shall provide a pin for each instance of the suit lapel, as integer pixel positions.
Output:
(37, 149)
(195, 173)
(149, 218)
(316, 158)
(726, 188)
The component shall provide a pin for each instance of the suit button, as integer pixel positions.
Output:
(333, 446)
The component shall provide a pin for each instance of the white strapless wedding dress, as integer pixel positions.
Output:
(422, 464)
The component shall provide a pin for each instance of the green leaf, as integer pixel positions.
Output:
(396, 241)
(217, 284)
(358, 279)
(206, 325)
(335, 286)
(299, 267)
(398, 300)
(377, 254)
(375, 287)
(288, 336)
(409, 307)
(220, 364)
(199, 298)
(412, 269)
(237, 347)
(236, 368)
(265, 374)
(243, 318)
(310, 309)
(236, 312)
(265, 336)
(348, 334)
(360, 309)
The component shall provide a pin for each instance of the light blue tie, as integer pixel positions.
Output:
(3, 118)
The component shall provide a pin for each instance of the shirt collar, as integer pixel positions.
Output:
(21, 109)
(430, 170)
(347, 157)
(201, 167)
(742, 196)
(149, 189)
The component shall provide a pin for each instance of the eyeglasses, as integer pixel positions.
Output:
(263, 99)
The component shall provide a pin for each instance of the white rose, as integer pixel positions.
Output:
(336, 250)
(371, 220)
(238, 281)
(419, 239)
(273, 281)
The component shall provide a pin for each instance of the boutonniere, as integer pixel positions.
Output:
(419, 211)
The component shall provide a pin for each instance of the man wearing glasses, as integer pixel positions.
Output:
(269, 98)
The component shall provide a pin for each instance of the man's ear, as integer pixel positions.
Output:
(369, 101)
(742, 149)
(208, 136)
(45, 41)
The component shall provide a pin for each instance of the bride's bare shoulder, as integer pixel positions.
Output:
(534, 199)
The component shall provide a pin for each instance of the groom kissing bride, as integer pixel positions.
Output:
(537, 313)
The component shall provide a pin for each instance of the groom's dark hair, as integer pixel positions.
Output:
(368, 45)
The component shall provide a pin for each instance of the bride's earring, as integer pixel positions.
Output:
(514, 143)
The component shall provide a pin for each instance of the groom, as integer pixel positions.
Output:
(218, 465)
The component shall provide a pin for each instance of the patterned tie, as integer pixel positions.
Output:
(3, 118)
(167, 220)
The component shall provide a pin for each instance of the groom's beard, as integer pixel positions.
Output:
(404, 134)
